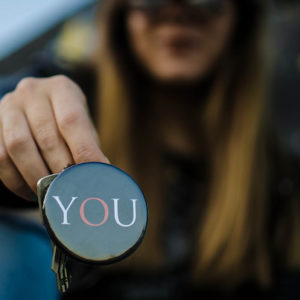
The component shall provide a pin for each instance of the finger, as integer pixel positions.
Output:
(21, 147)
(45, 132)
(10, 176)
(75, 126)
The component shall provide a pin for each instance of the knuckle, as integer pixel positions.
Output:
(82, 153)
(69, 119)
(47, 139)
(27, 84)
(61, 81)
(6, 101)
(15, 142)
(6, 98)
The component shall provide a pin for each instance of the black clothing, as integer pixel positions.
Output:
(186, 178)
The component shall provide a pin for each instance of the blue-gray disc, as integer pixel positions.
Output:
(95, 212)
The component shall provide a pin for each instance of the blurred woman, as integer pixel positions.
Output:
(182, 107)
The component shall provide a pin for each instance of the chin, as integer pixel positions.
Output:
(178, 71)
(178, 76)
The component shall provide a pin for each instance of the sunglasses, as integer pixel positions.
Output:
(205, 5)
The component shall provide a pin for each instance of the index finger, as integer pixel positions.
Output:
(75, 125)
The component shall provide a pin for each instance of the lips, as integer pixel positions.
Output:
(178, 38)
(179, 42)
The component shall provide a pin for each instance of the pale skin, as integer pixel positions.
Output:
(44, 127)
(45, 124)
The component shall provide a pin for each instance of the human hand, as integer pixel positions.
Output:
(44, 126)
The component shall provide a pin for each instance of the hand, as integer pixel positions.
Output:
(44, 126)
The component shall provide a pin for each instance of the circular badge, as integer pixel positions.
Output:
(95, 212)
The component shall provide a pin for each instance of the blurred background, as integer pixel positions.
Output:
(63, 31)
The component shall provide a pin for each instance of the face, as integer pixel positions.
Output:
(179, 42)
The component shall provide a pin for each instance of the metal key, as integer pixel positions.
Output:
(59, 259)
(42, 186)
(59, 267)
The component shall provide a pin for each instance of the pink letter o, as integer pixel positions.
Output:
(82, 215)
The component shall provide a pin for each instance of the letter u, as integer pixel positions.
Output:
(116, 212)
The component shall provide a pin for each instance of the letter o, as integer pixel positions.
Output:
(82, 215)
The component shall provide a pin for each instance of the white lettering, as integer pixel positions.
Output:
(116, 211)
(64, 210)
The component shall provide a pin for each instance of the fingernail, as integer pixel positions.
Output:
(107, 160)
(34, 197)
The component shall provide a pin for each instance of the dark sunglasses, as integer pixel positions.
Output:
(206, 5)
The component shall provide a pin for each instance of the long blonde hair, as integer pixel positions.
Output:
(233, 241)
